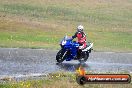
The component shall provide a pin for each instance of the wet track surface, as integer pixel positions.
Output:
(34, 61)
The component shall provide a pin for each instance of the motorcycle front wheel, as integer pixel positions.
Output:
(59, 56)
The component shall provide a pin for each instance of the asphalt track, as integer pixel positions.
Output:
(27, 62)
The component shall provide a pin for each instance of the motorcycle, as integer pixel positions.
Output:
(70, 51)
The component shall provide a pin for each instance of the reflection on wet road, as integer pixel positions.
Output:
(34, 61)
(97, 67)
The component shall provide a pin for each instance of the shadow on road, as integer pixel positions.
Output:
(71, 66)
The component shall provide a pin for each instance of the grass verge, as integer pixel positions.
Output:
(42, 23)
(58, 80)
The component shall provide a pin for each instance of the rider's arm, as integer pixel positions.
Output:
(74, 36)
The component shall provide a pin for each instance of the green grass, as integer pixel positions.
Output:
(42, 23)
(58, 80)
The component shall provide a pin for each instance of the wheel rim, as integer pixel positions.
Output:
(59, 57)
(84, 58)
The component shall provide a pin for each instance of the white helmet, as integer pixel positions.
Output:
(80, 28)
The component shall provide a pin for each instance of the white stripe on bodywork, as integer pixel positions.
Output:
(91, 45)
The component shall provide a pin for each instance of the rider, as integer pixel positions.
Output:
(81, 36)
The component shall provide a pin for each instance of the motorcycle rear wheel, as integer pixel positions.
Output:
(84, 57)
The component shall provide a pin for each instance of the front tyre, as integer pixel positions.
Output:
(84, 57)
(59, 56)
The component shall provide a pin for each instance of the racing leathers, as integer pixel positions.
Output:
(81, 38)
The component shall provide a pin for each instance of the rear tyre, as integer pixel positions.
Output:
(84, 57)
(59, 56)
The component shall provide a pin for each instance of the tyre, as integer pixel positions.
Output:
(84, 57)
(81, 80)
(59, 56)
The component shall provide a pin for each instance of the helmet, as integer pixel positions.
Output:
(80, 28)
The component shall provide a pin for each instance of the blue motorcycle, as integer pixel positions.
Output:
(70, 51)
